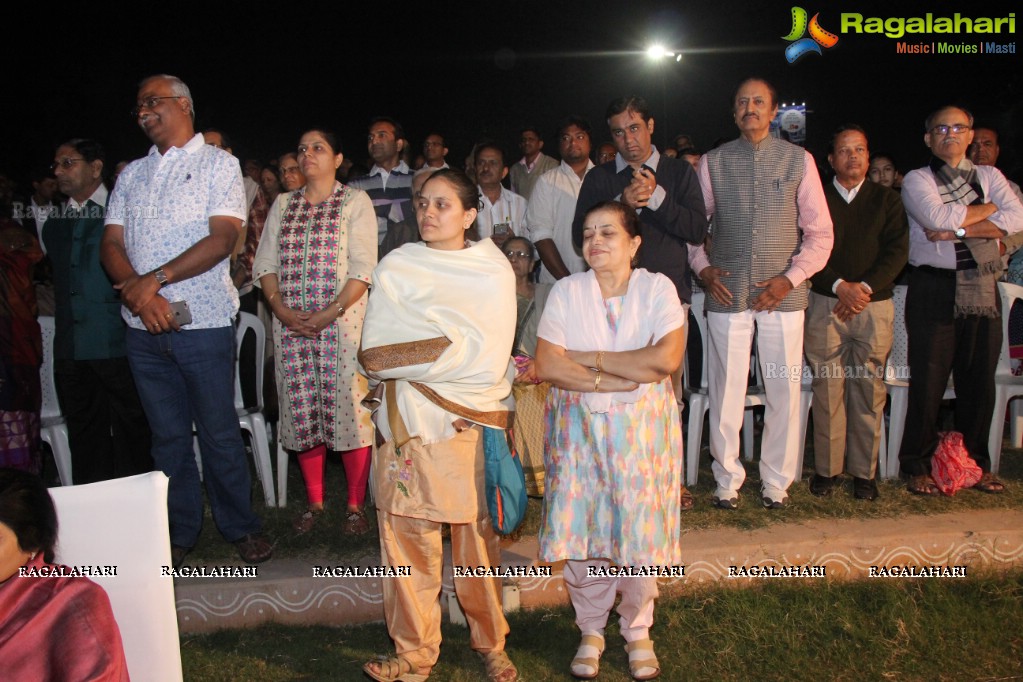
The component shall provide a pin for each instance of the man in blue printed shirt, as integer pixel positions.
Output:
(172, 221)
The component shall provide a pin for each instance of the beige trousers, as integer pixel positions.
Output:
(847, 359)
(411, 606)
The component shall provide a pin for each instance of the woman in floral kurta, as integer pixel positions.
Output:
(314, 263)
(608, 342)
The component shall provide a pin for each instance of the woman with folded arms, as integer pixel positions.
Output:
(609, 340)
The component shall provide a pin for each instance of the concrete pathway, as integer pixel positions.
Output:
(945, 546)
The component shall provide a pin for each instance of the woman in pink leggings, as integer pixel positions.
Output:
(314, 263)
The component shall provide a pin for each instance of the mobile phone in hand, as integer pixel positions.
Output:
(182, 315)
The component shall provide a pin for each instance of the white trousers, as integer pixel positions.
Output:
(780, 351)
(592, 597)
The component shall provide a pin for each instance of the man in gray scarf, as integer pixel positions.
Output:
(958, 214)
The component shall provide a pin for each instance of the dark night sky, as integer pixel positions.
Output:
(480, 69)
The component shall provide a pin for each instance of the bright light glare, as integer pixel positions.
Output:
(657, 52)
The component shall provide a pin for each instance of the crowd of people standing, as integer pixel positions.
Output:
(415, 305)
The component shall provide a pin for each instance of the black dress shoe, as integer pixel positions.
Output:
(822, 486)
(178, 554)
(865, 489)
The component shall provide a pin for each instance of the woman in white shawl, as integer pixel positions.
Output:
(609, 340)
(437, 342)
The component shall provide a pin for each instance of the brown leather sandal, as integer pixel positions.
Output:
(254, 548)
(356, 522)
(686, 500)
(641, 657)
(395, 669)
(499, 666)
(304, 523)
(922, 485)
(587, 667)
(989, 484)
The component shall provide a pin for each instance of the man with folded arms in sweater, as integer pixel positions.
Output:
(848, 328)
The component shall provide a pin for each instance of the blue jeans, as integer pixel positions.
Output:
(184, 378)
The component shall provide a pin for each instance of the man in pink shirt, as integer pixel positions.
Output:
(770, 232)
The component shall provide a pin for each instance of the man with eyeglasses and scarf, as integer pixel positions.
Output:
(958, 214)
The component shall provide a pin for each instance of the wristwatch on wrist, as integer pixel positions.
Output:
(960, 232)
(161, 277)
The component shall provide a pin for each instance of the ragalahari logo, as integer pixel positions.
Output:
(818, 36)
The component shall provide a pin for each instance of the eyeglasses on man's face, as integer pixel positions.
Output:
(66, 164)
(956, 128)
(149, 103)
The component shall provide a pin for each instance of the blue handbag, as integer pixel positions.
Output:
(505, 483)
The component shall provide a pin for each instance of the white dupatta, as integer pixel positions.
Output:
(441, 324)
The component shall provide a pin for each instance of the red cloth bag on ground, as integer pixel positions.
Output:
(952, 467)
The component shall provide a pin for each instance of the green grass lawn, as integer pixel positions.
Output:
(938, 629)
(326, 541)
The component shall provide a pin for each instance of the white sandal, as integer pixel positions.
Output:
(642, 658)
(586, 664)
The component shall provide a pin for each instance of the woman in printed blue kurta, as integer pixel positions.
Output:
(609, 340)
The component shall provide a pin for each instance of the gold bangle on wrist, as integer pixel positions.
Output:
(340, 310)
(596, 383)
(600, 361)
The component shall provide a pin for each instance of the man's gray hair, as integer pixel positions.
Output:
(178, 87)
(929, 123)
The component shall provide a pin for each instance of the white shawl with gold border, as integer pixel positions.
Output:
(441, 324)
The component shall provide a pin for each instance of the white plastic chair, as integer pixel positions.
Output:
(123, 523)
(250, 418)
(1007, 386)
(282, 471)
(53, 426)
(897, 386)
